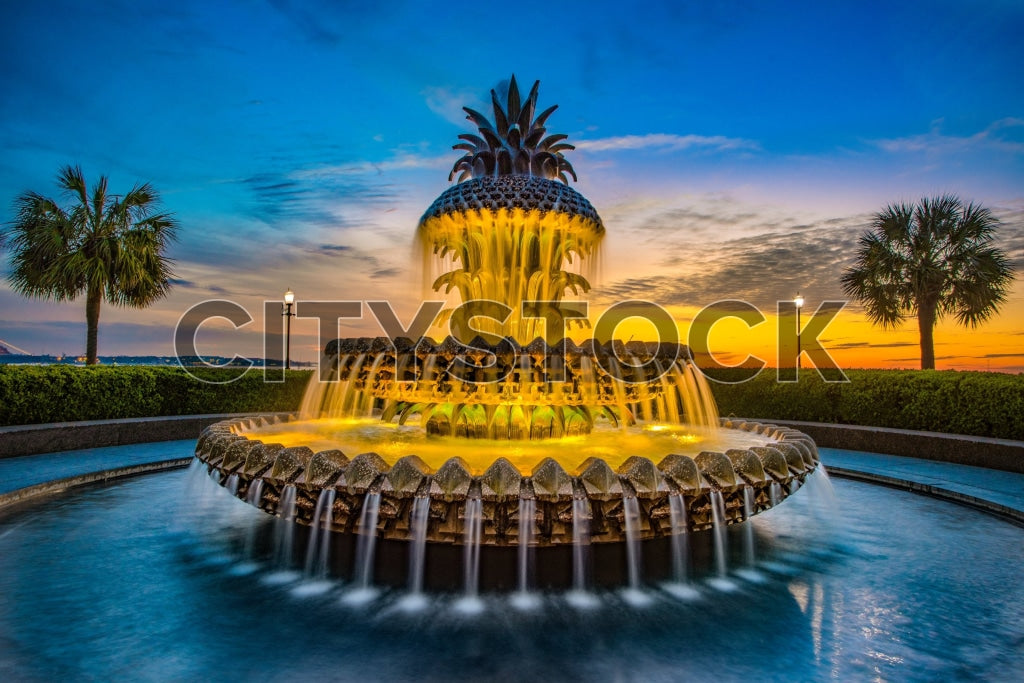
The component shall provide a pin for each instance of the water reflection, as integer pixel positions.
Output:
(99, 583)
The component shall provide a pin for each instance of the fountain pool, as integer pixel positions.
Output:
(135, 580)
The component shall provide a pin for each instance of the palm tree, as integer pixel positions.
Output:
(106, 246)
(931, 259)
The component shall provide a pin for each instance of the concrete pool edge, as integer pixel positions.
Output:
(1004, 512)
(55, 486)
(959, 449)
(21, 440)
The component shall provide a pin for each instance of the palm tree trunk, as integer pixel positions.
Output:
(926, 324)
(93, 298)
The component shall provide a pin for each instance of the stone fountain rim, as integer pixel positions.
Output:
(643, 477)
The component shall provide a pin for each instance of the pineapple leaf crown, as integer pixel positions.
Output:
(515, 144)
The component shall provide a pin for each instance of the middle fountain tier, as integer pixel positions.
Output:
(506, 391)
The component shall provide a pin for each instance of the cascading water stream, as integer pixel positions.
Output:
(194, 477)
(284, 532)
(680, 538)
(823, 504)
(239, 512)
(253, 497)
(527, 511)
(284, 535)
(523, 599)
(419, 521)
(365, 547)
(631, 517)
(255, 493)
(680, 542)
(199, 493)
(319, 545)
(748, 571)
(580, 543)
(775, 493)
(367, 541)
(748, 527)
(473, 520)
(418, 552)
(472, 537)
(579, 597)
(718, 521)
(718, 527)
(826, 492)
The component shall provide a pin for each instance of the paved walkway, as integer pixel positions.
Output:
(1005, 489)
(28, 470)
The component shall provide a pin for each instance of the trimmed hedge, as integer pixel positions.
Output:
(976, 403)
(64, 393)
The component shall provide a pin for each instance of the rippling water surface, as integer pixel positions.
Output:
(137, 581)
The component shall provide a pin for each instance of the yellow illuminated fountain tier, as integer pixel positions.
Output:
(506, 391)
(493, 426)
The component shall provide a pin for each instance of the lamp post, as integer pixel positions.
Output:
(289, 299)
(799, 301)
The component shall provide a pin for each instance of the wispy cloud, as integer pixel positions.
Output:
(666, 142)
(355, 259)
(402, 161)
(714, 248)
(284, 198)
(189, 284)
(998, 134)
(384, 273)
(705, 248)
(448, 103)
(1011, 236)
(315, 23)
(870, 345)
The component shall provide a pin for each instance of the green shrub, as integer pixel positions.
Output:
(63, 393)
(977, 403)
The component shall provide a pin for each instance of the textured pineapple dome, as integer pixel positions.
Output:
(513, 191)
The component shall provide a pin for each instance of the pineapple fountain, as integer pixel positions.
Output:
(497, 439)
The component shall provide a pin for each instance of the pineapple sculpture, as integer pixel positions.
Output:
(512, 230)
(512, 238)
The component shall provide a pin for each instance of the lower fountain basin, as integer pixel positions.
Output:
(291, 480)
(129, 577)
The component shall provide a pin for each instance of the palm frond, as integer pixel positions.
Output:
(113, 245)
(936, 255)
(72, 181)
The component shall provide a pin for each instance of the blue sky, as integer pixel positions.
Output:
(732, 148)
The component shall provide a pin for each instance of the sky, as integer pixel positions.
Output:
(734, 150)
